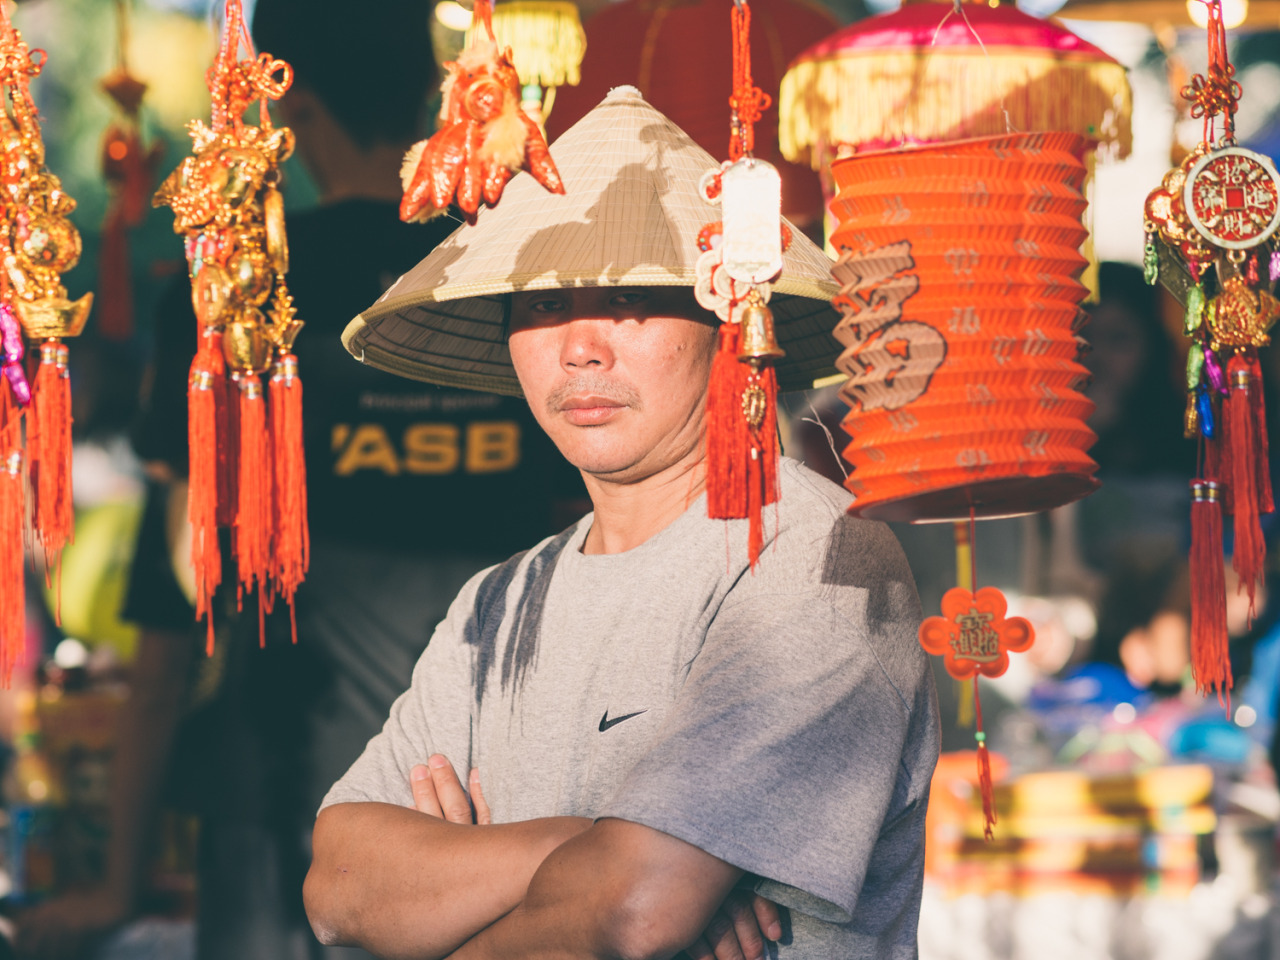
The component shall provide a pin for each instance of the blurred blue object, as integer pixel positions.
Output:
(1093, 684)
(1211, 738)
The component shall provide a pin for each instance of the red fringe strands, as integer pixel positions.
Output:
(49, 450)
(13, 627)
(291, 549)
(728, 437)
(762, 465)
(1210, 662)
(208, 371)
(1258, 418)
(253, 506)
(1249, 553)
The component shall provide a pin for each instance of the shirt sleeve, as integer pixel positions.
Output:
(432, 716)
(800, 750)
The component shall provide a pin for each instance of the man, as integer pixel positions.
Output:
(656, 726)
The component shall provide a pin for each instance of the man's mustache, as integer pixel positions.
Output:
(594, 385)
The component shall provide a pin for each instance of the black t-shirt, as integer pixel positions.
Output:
(391, 463)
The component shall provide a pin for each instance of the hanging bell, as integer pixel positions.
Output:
(758, 342)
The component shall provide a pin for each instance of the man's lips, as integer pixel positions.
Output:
(585, 411)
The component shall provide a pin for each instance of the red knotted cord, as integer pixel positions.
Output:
(748, 101)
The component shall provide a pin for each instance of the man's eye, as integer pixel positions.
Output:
(548, 305)
(628, 298)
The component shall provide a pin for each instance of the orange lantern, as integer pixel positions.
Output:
(960, 302)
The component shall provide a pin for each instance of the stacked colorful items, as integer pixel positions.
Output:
(1211, 238)
(960, 301)
(1067, 831)
(246, 464)
(39, 244)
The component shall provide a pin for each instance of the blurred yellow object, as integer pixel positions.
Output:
(95, 575)
(546, 39)
(1246, 14)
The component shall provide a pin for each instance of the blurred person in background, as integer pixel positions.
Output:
(412, 489)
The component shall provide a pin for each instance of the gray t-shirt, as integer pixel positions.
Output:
(782, 719)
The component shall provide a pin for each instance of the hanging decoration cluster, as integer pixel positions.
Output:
(246, 457)
(741, 260)
(483, 138)
(1211, 238)
(39, 243)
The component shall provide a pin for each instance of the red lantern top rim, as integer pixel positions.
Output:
(1062, 141)
(912, 28)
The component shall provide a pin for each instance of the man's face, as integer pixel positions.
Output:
(617, 376)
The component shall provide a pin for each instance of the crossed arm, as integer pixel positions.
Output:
(427, 883)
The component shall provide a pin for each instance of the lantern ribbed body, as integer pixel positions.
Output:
(961, 302)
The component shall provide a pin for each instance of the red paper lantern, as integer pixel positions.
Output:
(960, 304)
(679, 57)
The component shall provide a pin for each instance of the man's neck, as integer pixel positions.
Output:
(628, 514)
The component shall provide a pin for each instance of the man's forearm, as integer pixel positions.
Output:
(618, 890)
(402, 884)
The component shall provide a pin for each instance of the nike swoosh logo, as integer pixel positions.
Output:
(606, 723)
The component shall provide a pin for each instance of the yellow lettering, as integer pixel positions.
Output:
(431, 448)
(369, 449)
(493, 447)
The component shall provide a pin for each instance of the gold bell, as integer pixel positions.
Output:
(758, 342)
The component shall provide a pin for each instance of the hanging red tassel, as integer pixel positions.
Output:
(760, 406)
(208, 371)
(1258, 418)
(115, 286)
(12, 515)
(49, 450)
(1210, 663)
(253, 506)
(1249, 552)
(728, 436)
(292, 545)
(227, 406)
(985, 786)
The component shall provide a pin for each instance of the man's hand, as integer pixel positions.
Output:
(438, 793)
(737, 931)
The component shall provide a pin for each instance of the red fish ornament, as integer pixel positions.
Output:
(483, 137)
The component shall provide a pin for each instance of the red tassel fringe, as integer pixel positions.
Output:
(115, 285)
(291, 552)
(1249, 553)
(985, 786)
(253, 506)
(204, 387)
(12, 516)
(1258, 417)
(742, 463)
(1210, 662)
(728, 437)
(49, 449)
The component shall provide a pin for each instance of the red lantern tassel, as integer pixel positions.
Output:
(291, 552)
(728, 437)
(12, 516)
(253, 506)
(205, 383)
(985, 786)
(1249, 553)
(1210, 662)
(115, 285)
(1258, 417)
(49, 447)
(762, 467)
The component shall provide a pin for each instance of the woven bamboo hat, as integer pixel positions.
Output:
(631, 217)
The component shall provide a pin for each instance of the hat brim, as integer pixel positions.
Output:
(631, 217)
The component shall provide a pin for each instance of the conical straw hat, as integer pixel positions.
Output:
(631, 217)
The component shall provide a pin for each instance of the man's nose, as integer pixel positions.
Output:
(587, 344)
